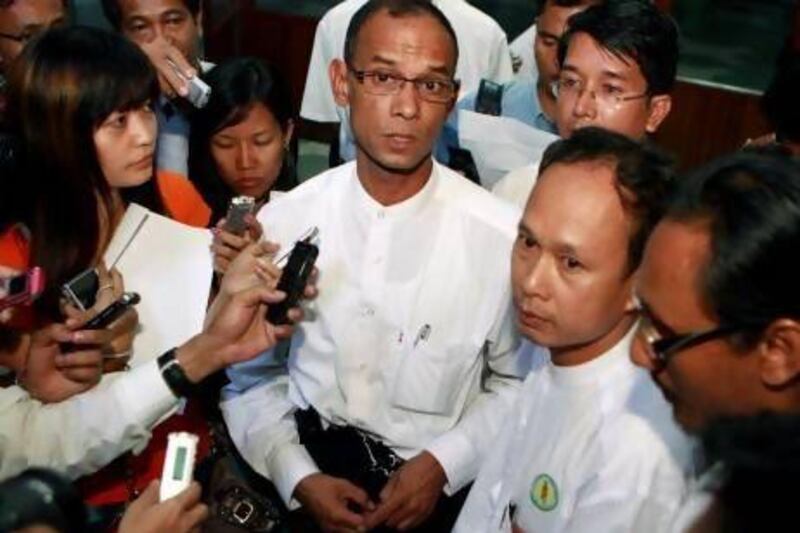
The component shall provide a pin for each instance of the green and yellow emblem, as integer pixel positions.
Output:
(544, 493)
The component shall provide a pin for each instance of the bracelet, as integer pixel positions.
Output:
(174, 376)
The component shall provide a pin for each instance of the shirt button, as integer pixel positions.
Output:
(367, 311)
(381, 215)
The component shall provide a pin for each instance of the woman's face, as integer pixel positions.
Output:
(249, 155)
(125, 142)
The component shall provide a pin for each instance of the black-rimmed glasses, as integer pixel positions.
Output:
(381, 83)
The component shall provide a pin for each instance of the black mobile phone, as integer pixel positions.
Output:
(293, 280)
(81, 290)
(490, 98)
(108, 315)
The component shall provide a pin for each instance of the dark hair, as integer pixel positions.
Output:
(62, 87)
(541, 4)
(631, 29)
(644, 176)
(8, 3)
(396, 9)
(780, 104)
(751, 201)
(236, 86)
(113, 12)
(758, 458)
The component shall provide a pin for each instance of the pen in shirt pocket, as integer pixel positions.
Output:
(423, 334)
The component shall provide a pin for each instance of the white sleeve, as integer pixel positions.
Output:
(318, 103)
(84, 433)
(461, 450)
(500, 68)
(260, 419)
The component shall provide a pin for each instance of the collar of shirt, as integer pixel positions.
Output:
(614, 360)
(370, 208)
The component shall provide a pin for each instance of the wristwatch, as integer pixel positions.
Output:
(174, 375)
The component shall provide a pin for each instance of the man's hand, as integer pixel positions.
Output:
(226, 246)
(332, 502)
(410, 495)
(51, 376)
(252, 267)
(163, 55)
(180, 514)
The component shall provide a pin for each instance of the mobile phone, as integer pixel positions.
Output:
(178, 469)
(21, 289)
(239, 207)
(293, 280)
(108, 315)
(490, 98)
(199, 91)
(81, 290)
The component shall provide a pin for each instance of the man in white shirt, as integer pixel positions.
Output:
(411, 349)
(590, 444)
(618, 64)
(169, 32)
(718, 287)
(483, 53)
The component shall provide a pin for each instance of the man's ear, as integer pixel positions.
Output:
(337, 71)
(632, 301)
(198, 20)
(779, 353)
(660, 107)
(287, 134)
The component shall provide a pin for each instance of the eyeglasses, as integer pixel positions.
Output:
(382, 83)
(21, 38)
(661, 349)
(606, 95)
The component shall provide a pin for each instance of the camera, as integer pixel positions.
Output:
(41, 497)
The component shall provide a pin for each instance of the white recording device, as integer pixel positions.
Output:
(178, 464)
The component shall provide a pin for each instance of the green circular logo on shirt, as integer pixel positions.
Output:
(544, 493)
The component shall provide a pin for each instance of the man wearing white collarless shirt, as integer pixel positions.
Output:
(590, 444)
(483, 53)
(410, 344)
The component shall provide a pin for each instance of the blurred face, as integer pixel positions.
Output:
(568, 265)
(603, 90)
(249, 155)
(706, 380)
(550, 26)
(23, 20)
(396, 132)
(145, 20)
(125, 143)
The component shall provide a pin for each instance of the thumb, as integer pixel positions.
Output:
(354, 494)
(150, 495)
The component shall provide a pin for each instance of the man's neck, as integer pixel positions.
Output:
(583, 353)
(388, 187)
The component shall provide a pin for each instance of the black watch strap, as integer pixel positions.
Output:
(174, 375)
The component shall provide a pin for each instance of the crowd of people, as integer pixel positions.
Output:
(595, 342)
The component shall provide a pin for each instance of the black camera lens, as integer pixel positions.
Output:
(41, 497)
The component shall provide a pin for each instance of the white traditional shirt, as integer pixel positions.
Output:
(413, 309)
(522, 49)
(587, 448)
(516, 186)
(483, 53)
(85, 432)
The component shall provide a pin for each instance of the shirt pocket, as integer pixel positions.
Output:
(434, 380)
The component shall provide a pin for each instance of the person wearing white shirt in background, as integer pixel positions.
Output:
(618, 63)
(721, 323)
(483, 53)
(410, 348)
(590, 444)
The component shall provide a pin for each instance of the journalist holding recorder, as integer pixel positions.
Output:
(387, 403)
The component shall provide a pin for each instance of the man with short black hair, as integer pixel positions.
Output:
(483, 53)
(618, 63)
(169, 32)
(590, 444)
(720, 330)
(22, 20)
(389, 398)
